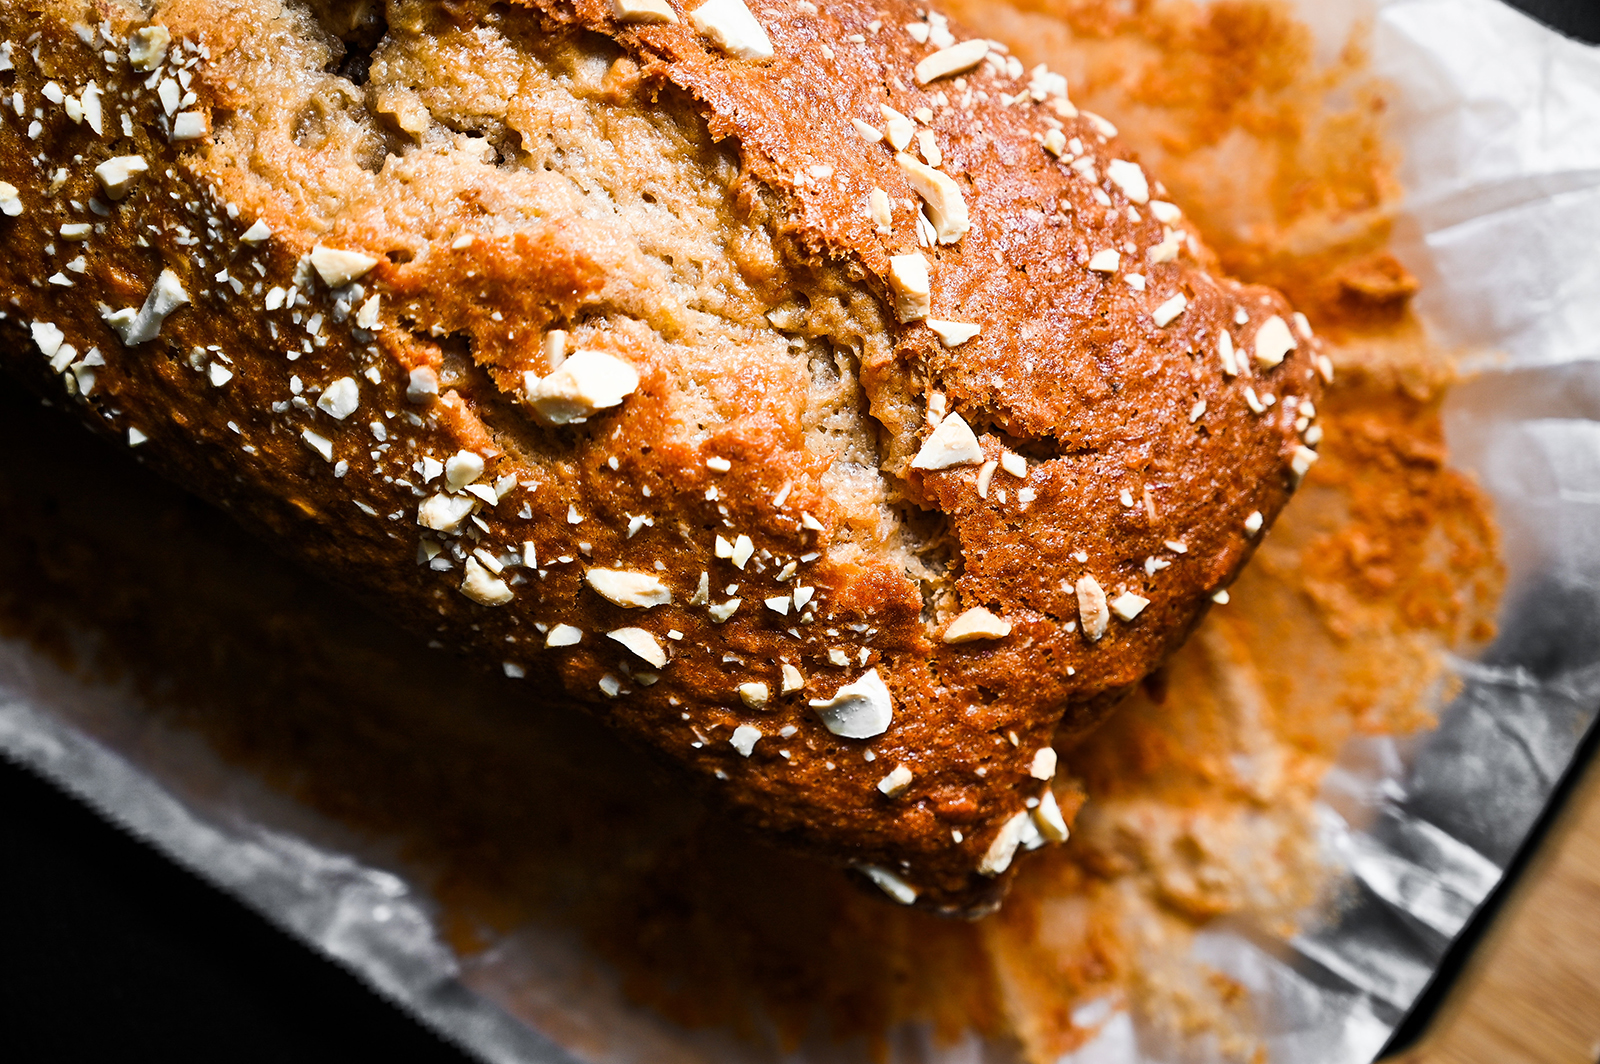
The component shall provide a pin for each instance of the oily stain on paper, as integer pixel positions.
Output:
(1197, 795)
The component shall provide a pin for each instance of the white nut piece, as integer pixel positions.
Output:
(140, 326)
(951, 444)
(564, 635)
(976, 623)
(119, 174)
(461, 469)
(947, 208)
(444, 513)
(896, 782)
(792, 679)
(643, 11)
(913, 293)
(1043, 766)
(953, 60)
(744, 738)
(890, 884)
(1013, 833)
(1128, 605)
(147, 47)
(1130, 178)
(340, 399)
(953, 333)
(635, 591)
(1168, 312)
(338, 267)
(1093, 614)
(754, 695)
(10, 200)
(586, 383)
(857, 710)
(1105, 261)
(643, 644)
(482, 587)
(1273, 342)
(1048, 820)
(731, 27)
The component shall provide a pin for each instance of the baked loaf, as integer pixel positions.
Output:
(814, 394)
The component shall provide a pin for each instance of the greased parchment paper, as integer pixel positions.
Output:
(1499, 122)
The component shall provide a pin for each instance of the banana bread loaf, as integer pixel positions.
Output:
(814, 394)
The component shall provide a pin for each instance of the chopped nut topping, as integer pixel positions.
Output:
(1014, 463)
(483, 588)
(1106, 261)
(642, 643)
(367, 315)
(792, 679)
(869, 133)
(731, 27)
(908, 277)
(1128, 605)
(119, 174)
(721, 612)
(461, 469)
(1302, 325)
(953, 333)
(929, 147)
(951, 444)
(629, 589)
(896, 782)
(718, 465)
(444, 513)
(147, 47)
(256, 235)
(1044, 764)
(1012, 834)
(1103, 127)
(976, 623)
(1164, 212)
(897, 127)
(878, 208)
(1230, 365)
(564, 635)
(1092, 611)
(890, 884)
(1048, 820)
(1169, 311)
(947, 208)
(1055, 142)
(744, 738)
(953, 60)
(1252, 524)
(422, 385)
(1273, 342)
(1302, 460)
(643, 11)
(1221, 597)
(10, 200)
(1129, 177)
(754, 695)
(340, 399)
(338, 267)
(838, 657)
(586, 383)
(858, 710)
(140, 326)
(985, 475)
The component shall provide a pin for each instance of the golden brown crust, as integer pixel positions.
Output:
(1134, 438)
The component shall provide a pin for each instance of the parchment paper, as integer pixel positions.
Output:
(1499, 120)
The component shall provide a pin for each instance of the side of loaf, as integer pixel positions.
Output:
(817, 396)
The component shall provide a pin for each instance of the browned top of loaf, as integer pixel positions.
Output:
(1144, 460)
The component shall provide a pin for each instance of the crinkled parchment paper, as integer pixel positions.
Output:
(1499, 122)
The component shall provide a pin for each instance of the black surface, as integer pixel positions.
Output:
(111, 951)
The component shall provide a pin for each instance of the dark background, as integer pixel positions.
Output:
(107, 948)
